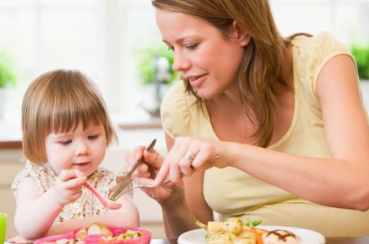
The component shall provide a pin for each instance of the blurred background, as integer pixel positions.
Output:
(117, 44)
(104, 39)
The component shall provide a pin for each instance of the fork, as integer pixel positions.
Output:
(134, 186)
(127, 178)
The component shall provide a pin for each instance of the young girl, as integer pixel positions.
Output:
(66, 130)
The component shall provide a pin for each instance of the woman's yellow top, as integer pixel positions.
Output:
(230, 191)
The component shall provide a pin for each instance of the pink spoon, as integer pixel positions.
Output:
(106, 202)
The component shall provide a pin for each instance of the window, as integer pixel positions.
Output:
(101, 38)
(45, 35)
(345, 19)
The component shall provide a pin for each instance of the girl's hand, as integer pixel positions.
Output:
(190, 154)
(68, 186)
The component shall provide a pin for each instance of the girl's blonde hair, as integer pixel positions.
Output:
(58, 101)
(263, 57)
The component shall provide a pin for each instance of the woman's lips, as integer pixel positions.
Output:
(197, 81)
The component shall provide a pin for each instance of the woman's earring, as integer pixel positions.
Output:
(243, 44)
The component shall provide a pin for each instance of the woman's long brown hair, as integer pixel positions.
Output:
(263, 59)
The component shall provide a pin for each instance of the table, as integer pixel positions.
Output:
(329, 240)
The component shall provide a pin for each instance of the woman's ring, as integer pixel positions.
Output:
(189, 156)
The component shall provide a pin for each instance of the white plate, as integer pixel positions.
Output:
(307, 236)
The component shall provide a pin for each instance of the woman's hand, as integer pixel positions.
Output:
(146, 173)
(68, 186)
(190, 154)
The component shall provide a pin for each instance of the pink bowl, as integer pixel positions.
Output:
(95, 239)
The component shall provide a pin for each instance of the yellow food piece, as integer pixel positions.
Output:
(233, 225)
(231, 231)
(97, 228)
(81, 234)
(244, 241)
(213, 226)
(220, 238)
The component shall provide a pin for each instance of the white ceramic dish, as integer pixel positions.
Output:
(307, 236)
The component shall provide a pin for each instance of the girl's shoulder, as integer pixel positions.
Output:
(43, 175)
(105, 180)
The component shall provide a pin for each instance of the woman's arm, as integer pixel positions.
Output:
(181, 211)
(181, 205)
(341, 181)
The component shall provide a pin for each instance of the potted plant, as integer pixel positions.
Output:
(361, 55)
(7, 79)
(154, 68)
(145, 60)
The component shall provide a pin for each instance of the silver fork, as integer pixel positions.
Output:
(127, 178)
(134, 186)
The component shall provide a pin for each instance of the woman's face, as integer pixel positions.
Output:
(201, 53)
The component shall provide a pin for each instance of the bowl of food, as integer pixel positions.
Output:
(98, 233)
(234, 231)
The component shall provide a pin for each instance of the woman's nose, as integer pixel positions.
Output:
(180, 62)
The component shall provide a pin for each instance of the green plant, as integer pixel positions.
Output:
(361, 55)
(7, 73)
(145, 62)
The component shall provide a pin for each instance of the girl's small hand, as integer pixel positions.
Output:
(68, 186)
(189, 155)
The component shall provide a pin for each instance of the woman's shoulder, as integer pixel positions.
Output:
(310, 55)
(320, 45)
(177, 109)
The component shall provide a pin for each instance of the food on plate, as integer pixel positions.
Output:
(64, 241)
(100, 233)
(234, 231)
(98, 229)
(81, 234)
(281, 237)
(130, 234)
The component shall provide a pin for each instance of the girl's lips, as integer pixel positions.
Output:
(196, 82)
(80, 164)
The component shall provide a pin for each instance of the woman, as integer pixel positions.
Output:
(262, 127)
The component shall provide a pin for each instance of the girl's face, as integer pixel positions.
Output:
(201, 52)
(80, 149)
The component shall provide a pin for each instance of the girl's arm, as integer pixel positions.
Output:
(36, 212)
(127, 215)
